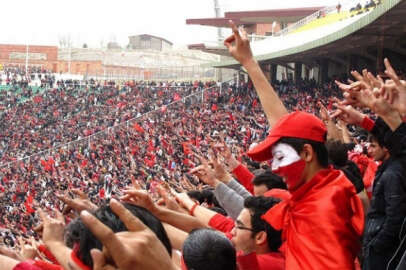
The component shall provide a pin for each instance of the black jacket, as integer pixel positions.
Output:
(388, 207)
(396, 142)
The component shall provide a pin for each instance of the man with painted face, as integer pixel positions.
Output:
(323, 221)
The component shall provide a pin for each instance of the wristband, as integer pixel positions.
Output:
(367, 123)
(192, 210)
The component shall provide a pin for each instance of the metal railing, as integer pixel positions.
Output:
(306, 20)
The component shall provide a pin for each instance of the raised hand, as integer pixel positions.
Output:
(167, 200)
(140, 198)
(53, 228)
(78, 204)
(394, 90)
(204, 172)
(239, 45)
(28, 252)
(348, 114)
(139, 248)
(323, 112)
(227, 155)
(220, 171)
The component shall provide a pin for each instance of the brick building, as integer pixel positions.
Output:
(39, 56)
(101, 62)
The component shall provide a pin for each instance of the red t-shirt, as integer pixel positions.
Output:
(268, 261)
(221, 223)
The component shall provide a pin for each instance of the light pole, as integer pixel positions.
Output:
(26, 59)
(217, 12)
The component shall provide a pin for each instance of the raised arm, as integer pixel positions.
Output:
(239, 47)
(181, 221)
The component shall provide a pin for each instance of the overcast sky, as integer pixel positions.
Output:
(43, 22)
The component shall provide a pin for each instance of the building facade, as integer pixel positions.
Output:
(39, 56)
(148, 42)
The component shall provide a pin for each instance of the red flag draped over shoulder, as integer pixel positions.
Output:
(322, 223)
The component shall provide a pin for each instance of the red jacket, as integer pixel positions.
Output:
(222, 223)
(268, 261)
(37, 265)
(321, 224)
(253, 261)
(245, 177)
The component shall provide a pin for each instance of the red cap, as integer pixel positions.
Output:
(294, 125)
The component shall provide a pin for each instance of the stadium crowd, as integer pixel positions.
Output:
(154, 176)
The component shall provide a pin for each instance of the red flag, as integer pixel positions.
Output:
(230, 115)
(27, 205)
(37, 99)
(138, 128)
(330, 105)
(176, 97)
(151, 147)
(102, 193)
(121, 105)
(186, 148)
(84, 163)
(30, 199)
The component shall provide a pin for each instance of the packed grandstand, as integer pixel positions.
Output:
(295, 162)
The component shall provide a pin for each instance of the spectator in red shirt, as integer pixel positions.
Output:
(253, 235)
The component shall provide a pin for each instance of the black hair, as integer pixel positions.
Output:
(381, 133)
(207, 196)
(269, 179)
(196, 195)
(318, 147)
(337, 152)
(353, 173)
(258, 206)
(379, 140)
(219, 210)
(350, 146)
(209, 249)
(78, 233)
(251, 164)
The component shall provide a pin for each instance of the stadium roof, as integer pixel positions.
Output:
(215, 49)
(257, 17)
(385, 26)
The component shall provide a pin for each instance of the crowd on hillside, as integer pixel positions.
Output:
(199, 175)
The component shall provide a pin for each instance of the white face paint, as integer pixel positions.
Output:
(283, 155)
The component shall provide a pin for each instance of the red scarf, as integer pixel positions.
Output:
(76, 260)
(322, 223)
